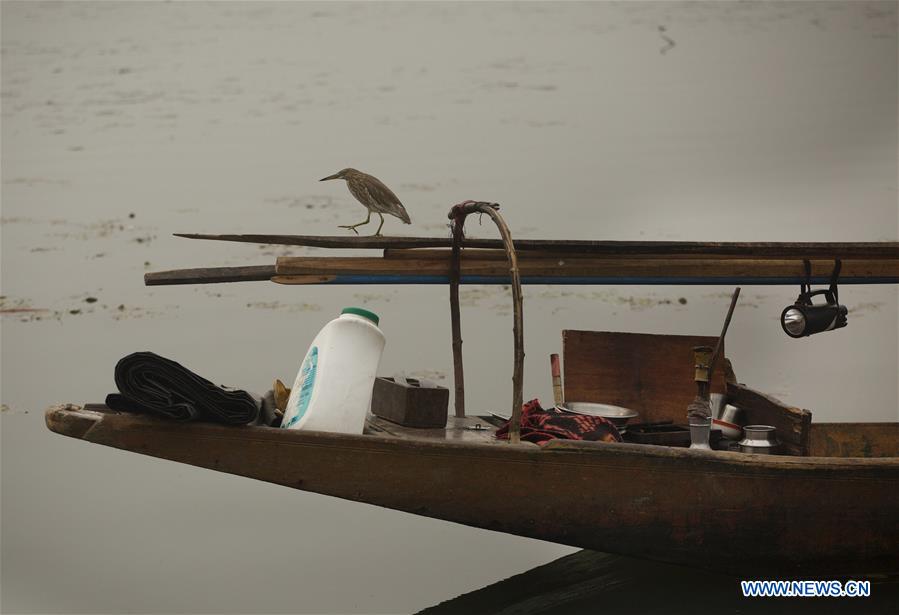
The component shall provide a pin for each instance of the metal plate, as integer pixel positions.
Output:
(604, 410)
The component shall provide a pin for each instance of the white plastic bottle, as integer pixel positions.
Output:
(332, 391)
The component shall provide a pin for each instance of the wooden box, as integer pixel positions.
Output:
(652, 374)
(410, 405)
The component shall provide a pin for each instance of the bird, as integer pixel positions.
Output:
(373, 194)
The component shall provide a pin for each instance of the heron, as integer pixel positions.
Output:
(373, 194)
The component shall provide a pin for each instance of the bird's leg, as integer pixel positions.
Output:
(352, 227)
(378, 232)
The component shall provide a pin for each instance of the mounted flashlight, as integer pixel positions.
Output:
(805, 318)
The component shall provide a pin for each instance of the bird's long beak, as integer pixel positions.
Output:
(335, 176)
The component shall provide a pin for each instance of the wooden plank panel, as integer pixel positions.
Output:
(652, 374)
(582, 267)
(410, 279)
(854, 440)
(824, 266)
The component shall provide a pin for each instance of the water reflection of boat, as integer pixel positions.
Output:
(592, 582)
(833, 512)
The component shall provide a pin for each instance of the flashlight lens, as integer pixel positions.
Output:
(794, 321)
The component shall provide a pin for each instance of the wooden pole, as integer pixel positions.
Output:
(556, 373)
(517, 327)
(210, 275)
(458, 214)
(720, 342)
(455, 317)
(478, 269)
(531, 264)
(800, 250)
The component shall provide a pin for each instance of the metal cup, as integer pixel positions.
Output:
(730, 414)
(717, 401)
(700, 428)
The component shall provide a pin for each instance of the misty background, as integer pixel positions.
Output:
(125, 122)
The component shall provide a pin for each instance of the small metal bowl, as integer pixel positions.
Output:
(618, 415)
(759, 439)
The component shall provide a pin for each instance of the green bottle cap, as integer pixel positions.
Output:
(357, 311)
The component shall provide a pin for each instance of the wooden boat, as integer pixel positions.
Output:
(831, 513)
(830, 508)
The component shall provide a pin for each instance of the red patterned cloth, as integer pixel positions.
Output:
(541, 426)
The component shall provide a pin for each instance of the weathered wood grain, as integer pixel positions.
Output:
(818, 516)
(303, 279)
(652, 374)
(854, 439)
(210, 275)
(538, 266)
(534, 269)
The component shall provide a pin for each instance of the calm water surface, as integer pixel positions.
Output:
(125, 122)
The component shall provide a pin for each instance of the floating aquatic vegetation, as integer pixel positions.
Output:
(20, 308)
(26, 220)
(312, 201)
(369, 297)
(419, 187)
(288, 307)
(860, 309)
(87, 305)
(427, 374)
(270, 249)
(36, 181)
(96, 230)
(472, 297)
(123, 312)
(634, 302)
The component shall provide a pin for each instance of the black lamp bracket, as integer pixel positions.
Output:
(832, 294)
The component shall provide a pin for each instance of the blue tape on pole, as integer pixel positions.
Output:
(604, 280)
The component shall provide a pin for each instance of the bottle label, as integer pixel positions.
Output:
(307, 378)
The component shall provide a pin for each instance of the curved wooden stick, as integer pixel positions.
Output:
(455, 275)
(458, 214)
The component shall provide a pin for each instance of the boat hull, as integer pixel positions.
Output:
(745, 514)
